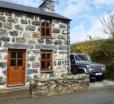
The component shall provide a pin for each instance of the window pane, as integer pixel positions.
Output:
(47, 24)
(43, 24)
(13, 62)
(43, 56)
(47, 21)
(48, 32)
(20, 55)
(48, 56)
(48, 66)
(19, 62)
(13, 54)
(43, 31)
(43, 64)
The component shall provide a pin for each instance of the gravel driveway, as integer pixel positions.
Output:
(101, 84)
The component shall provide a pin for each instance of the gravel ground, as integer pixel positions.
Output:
(98, 93)
(93, 96)
(100, 84)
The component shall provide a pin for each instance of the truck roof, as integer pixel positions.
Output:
(78, 54)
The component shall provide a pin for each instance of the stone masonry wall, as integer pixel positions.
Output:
(53, 86)
(22, 31)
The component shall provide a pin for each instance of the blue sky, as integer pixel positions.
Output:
(85, 15)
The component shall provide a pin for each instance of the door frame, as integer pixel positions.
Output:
(8, 59)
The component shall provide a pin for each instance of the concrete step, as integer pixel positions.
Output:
(14, 92)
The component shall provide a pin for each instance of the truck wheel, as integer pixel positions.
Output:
(80, 71)
(92, 79)
(74, 72)
(99, 78)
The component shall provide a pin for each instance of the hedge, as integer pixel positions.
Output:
(110, 72)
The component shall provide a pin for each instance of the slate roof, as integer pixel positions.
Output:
(31, 10)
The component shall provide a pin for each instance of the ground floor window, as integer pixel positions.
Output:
(46, 60)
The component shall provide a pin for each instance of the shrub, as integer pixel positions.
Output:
(110, 72)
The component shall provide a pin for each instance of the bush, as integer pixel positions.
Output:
(110, 72)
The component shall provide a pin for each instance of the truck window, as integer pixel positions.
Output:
(83, 58)
(72, 59)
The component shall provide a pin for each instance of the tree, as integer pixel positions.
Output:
(108, 24)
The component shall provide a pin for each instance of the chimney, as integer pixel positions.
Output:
(47, 5)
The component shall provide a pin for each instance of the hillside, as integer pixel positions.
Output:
(100, 50)
(86, 47)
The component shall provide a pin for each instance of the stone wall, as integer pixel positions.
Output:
(22, 31)
(53, 86)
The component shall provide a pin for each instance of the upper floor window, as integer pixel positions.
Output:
(45, 28)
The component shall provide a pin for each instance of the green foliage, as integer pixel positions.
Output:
(100, 50)
(110, 72)
(104, 52)
(85, 47)
(88, 47)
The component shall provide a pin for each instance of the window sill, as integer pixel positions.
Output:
(47, 71)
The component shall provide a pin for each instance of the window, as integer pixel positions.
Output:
(83, 57)
(45, 28)
(46, 60)
(16, 58)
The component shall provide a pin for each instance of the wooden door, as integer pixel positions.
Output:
(16, 67)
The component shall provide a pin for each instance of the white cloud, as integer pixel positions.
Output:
(78, 34)
(96, 31)
(101, 2)
(72, 7)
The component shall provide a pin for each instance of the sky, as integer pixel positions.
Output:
(85, 15)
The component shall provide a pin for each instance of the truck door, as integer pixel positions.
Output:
(73, 64)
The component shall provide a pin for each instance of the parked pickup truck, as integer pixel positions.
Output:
(81, 63)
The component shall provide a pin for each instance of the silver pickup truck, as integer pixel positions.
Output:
(81, 63)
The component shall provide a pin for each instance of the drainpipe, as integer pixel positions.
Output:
(68, 46)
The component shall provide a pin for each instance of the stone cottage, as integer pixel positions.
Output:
(33, 42)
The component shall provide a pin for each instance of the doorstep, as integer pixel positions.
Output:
(14, 92)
